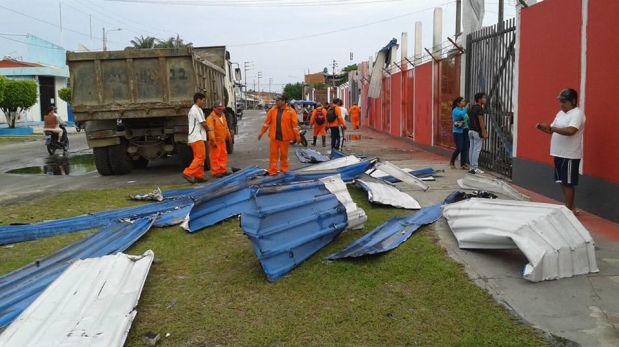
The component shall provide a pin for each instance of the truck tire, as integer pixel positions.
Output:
(102, 161)
(120, 162)
(185, 154)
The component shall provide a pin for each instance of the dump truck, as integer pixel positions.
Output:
(134, 103)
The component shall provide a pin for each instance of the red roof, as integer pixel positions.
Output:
(10, 63)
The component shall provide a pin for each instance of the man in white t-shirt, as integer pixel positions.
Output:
(196, 137)
(566, 143)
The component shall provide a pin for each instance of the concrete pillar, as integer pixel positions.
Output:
(403, 50)
(437, 33)
(418, 42)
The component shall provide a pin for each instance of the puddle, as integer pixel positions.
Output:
(58, 165)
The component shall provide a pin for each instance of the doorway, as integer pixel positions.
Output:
(47, 93)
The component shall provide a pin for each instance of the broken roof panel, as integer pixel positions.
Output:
(401, 175)
(556, 244)
(355, 216)
(239, 176)
(489, 184)
(420, 173)
(288, 223)
(348, 173)
(384, 194)
(331, 164)
(91, 304)
(390, 234)
(308, 155)
(20, 287)
(26, 232)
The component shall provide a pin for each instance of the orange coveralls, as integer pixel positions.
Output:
(196, 168)
(218, 132)
(319, 129)
(355, 112)
(278, 149)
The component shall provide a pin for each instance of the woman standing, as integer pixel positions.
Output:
(459, 115)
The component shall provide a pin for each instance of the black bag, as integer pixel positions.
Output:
(331, 115)
(320, 117)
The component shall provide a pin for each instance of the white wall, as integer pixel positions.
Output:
(33, 114)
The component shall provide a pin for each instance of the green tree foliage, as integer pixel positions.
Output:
(2, 86)
(19, 96)
(65, 94)
(319, 86)
(352, 67)
(294, 91)
(173, 42)
(143, 42)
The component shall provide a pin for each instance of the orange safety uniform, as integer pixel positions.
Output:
(196, 168)
(218, 133)
(278, 150)
(319, 129)
(338, 121)
(355, 112)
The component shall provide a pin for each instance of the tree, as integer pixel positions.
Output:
(65, 94)
(349, 68)
(294, 91)
(2, 86)
(172, 42)
(319, 86)
(19, 96)
(143, 42)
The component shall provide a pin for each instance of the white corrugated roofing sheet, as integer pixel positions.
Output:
(91, 304)
(555, 243)
(356, 215)
(494, 185)
(388, 195)
(400, 174)
(332, 164)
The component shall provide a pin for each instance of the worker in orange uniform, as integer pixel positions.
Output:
(355, 112)
(196, 137)
(319, 122)
(281, 121)
(334, 121)
(218, 134)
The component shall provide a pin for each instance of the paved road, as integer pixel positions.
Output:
(14, 187)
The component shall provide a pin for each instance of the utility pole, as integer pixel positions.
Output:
(60, 21)
(90, 25)
(259, 77)
(501, 13)
(270, 81)
(104, 37)
(246, 67)
(333, 76)
(458, 18)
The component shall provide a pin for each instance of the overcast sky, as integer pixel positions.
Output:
(245, 26)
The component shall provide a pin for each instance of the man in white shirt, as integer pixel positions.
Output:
(196, 137)
(566, 143)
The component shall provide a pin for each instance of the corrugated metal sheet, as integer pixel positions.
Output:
(402, 175)
(19, 288)
(356, 216)
(336, 154)
(168, 211)
(332, 164)
(390, 234)
(288, 223)
(308, 155)
(494, 185)
(556, 244)
(91, 304)
(381, 193)
(422, 174)
(348, 173)
(239, 176)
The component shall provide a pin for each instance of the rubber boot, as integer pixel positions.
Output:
(314, 142)
(324, 140)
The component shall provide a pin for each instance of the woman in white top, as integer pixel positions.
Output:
(566, 143)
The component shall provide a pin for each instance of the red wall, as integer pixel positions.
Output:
(396, 104)
(549, 62)
(423, 104)
(601, 103)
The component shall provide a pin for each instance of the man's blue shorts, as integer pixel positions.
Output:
(566, 171)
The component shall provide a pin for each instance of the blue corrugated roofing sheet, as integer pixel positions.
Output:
(239, 176)
(22, 286)
(288, 223)
(336, 154)
(308, 155)
(390, 234)
(347, 173)
(425, 172)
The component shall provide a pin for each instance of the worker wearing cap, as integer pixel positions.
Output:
(355, 112)
(195, 139)
(218, 134)
(319, 122)
(281, 122)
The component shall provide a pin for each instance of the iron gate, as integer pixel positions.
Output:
(490, 69)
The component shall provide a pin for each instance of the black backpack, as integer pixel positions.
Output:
(320, 117)
(331, 115)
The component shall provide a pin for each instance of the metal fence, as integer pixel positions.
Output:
(490, 69)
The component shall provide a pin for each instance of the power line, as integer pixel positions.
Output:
(342, 29)
(255, 3)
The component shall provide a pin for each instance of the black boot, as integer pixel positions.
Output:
(314, 142)
(324, 139)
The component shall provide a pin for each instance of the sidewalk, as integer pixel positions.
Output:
(583, 309)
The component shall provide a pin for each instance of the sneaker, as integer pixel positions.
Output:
(465, 167)
(472, 171)
(189, 179)
(478, 171)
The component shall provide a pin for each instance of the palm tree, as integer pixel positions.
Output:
(143, 42)
(172, 42)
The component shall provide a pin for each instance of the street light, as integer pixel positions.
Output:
(104, 38)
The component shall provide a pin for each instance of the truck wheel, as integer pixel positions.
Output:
(140, 163)
(102, 161)
(184, 154)
(120, 162)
